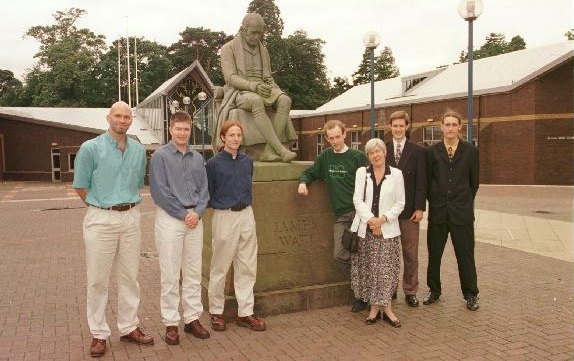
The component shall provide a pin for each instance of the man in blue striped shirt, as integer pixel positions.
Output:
(109, 171)
(178, 184)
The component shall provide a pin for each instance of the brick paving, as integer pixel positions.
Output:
(526, 302)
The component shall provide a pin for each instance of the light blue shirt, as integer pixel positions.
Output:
(178, 180)
(110, 176)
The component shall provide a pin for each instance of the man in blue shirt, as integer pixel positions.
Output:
(178, 185)
(229, 175)
(109, 171)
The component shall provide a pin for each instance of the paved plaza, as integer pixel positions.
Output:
(525, 268)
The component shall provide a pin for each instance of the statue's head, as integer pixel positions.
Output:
(252, 28)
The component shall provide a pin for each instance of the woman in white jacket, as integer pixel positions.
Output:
(379, 198)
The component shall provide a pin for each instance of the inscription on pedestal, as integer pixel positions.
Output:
(296, 232)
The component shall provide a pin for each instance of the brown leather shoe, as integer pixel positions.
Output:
(218, 322)
(98, 347)
(171, 335)
(254, 323)
(137, 336)
(196, 329)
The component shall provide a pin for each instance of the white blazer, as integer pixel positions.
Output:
(391, 202)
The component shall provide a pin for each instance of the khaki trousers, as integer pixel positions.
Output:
(179, 248)
(234, 241)
(112, 240)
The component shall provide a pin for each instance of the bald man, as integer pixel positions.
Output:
(249, 86)
(109, 171)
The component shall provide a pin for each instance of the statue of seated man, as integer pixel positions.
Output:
(249, 86)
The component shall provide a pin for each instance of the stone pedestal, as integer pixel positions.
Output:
(295, 267)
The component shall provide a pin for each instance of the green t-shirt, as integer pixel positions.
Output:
(338, 170)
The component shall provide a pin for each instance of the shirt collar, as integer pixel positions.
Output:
(387, 169)
(112, 141)
(345, 148)
(174, 149)
(226, 154)
(402, 142)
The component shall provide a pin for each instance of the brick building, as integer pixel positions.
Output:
(523, 118)
(40, 144)
(523, 113)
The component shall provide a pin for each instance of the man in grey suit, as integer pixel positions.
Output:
(410, 158)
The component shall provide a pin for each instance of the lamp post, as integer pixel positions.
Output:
(202, 97)
(371, 41)
(186, 102)
(469, 10)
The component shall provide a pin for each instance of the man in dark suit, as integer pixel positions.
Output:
(453, 182)
(410, 158)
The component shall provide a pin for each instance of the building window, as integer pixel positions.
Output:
(320, 144)
(71, 159)
(431, 134)
(355, 139)
(380, 133)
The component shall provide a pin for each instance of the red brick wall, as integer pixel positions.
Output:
(28, 148)
(520, 140)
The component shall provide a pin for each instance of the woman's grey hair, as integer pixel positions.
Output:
(374, 143)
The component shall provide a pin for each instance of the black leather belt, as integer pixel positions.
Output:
(238, 207)
(189, 207)
(118, 207)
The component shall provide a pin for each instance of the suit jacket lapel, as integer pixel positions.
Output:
(406, 154)
(459, 151)
(442, 152)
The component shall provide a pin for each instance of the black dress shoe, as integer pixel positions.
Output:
(358, 305)
(412, 300)
(472, 303)
(431, 298)
(396, 323)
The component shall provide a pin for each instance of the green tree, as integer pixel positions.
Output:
(301, 72)
(495, 44)
(340, 85)
(153, 65)
(271, 15)
(10, 88)
(203, 45)
(66, 59)
(569, 34)
(384, 67)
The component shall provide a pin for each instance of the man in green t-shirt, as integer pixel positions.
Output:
(337, 166)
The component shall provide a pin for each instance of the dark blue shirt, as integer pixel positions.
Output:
(229, 180)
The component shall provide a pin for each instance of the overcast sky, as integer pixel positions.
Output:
(422, 34)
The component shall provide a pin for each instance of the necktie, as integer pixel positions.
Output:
(450, 153)
(398, 153)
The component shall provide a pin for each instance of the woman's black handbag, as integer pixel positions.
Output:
(350, 241)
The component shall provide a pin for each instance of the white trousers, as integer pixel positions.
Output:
(112, 240)
(179, 248)
(234, 241)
